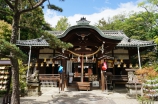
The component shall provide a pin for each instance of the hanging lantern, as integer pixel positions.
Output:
(130, 66)
(52, 64)
(36, 64)
(42, 64)
(47, 65)
(30, 64)
(124, 65)
(121, 61)
(45, 59)
(136, 65)
(118, 65)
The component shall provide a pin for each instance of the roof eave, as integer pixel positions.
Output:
(92, 27)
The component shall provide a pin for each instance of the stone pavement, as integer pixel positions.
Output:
(70, 96)
(52, 96)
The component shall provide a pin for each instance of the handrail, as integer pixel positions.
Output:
(49, 77)
(50, 74)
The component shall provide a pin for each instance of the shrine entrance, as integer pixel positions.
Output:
(90, 48)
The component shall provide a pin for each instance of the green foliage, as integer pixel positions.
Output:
(31, 23)
(5, 30)
(51, 6)
(137, 25)
(144, 100)
(6, 10)
(62, 24)
(156, 39)
(2, 93)
(54, 42)
(6, 48)
(149, 5)
(22, 74)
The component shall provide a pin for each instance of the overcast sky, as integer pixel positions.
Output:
(92, 10)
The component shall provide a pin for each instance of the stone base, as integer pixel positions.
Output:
(34, 89)
(131, 96)
(134, 89)
(134, 92)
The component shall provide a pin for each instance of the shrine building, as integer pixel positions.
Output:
(82, 62)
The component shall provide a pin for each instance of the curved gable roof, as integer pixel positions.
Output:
(115, 37)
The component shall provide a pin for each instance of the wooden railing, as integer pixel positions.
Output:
(46, 77)
(49, 79)
(119, 79)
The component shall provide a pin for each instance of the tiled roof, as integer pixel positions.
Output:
(56, 33)
(33, 42)
(126, 42)
(113, 33)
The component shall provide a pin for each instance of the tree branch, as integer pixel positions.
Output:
(5, 12)
(34, 7)
(9, 3)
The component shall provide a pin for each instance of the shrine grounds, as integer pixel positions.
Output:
(51, 95)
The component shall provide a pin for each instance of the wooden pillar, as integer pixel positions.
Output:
(102, 78)
(102, 81)
(96, 63)
(113, 69)
(81, 68)
(63, 75)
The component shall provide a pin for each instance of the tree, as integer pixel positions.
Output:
(5, 30)
(30, 23)
(62, 24)
(16, 9)
(139, 25)
(136, 25)
(7, 18)
(151, 6)
(101, 24)
(113, 23)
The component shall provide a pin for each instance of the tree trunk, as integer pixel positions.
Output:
(15, 99)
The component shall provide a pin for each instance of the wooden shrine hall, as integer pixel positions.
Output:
(82, 62)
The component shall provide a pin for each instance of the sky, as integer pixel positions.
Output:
(92, 10)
